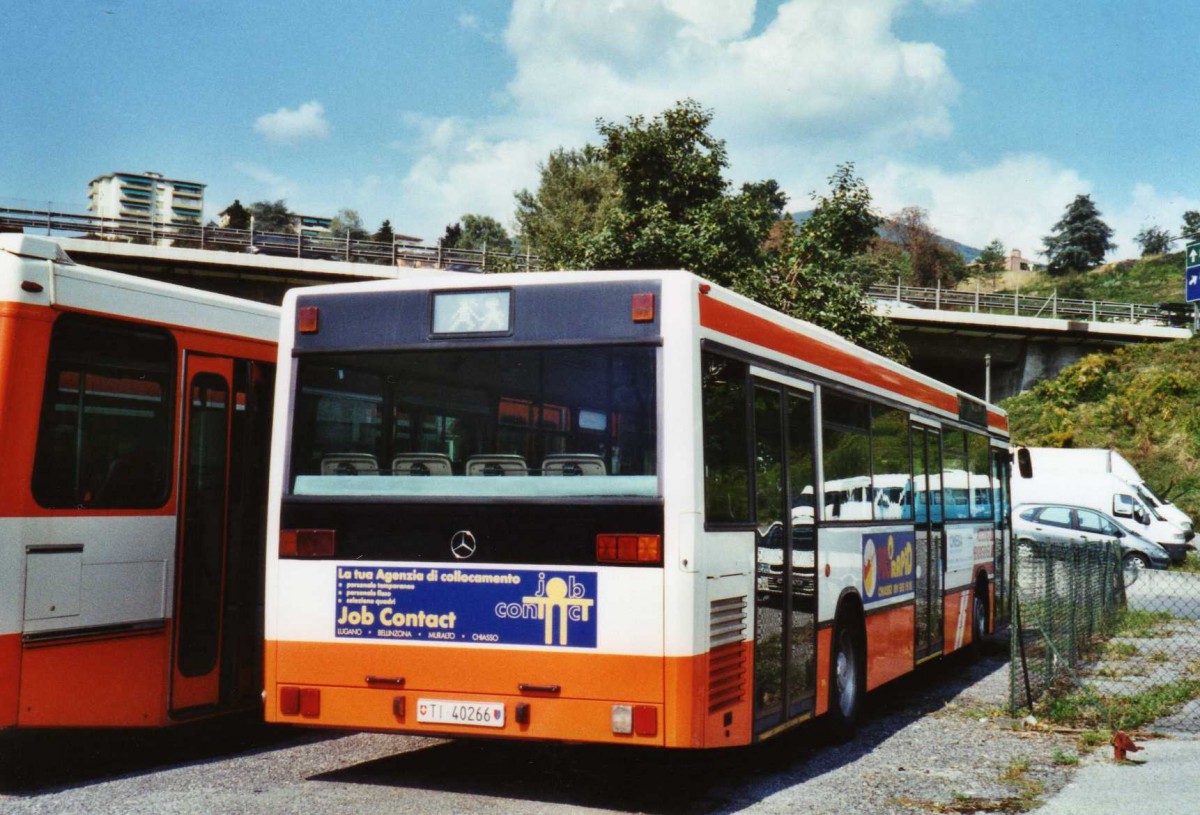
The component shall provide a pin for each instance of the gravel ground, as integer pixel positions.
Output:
(934, 742)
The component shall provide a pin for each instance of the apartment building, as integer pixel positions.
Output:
(147, 197)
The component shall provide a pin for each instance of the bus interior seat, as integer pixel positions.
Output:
(349, 464)
(574, 464)
(497, 464)
(421, 464)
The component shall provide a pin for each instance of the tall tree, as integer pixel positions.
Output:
(1079, 240)
(991, 261)
(933, 262)
(822, 271)
(477, 232)
(673, 208)
(235, 216)
(385, 233)
(272, 216)
(347, 223)
(1191, 224)
(576, 193)
(1153, 240)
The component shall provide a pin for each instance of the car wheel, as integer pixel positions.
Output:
(1134, 564)
(847, 679)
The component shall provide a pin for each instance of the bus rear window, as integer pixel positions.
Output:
(477, 423)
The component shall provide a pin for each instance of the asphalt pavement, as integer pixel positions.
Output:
(1164, 778)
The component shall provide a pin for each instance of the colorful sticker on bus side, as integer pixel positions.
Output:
(888, 560)
(512, 607)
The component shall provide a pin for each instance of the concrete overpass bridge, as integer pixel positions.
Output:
(978, 342)
(1006, 343)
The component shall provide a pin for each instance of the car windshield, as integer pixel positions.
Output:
(477, 423)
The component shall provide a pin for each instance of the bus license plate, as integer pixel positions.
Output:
(473, 714)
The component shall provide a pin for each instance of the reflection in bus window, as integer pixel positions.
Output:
(956, 501)
(105, 433)
(845, 433)
(522, 408)
(726, 474)
(979, 478)
(889, 448)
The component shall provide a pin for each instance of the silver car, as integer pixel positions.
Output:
(1061, 523)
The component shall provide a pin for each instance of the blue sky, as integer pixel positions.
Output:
(990, 114)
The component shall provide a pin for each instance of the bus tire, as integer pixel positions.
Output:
(847, 676)
(979, 615)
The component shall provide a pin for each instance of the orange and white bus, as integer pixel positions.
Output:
(134, 418)
(624, 507)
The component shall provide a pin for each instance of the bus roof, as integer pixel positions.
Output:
(861, 366)
(26, 277)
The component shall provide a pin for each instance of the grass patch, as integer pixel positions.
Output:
(1139, 624)
(1064, 759)
(1086, 708)
(1120, 650)
(1091, 739)
(1191, 564)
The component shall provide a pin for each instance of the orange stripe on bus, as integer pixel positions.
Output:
(824, 644)
(731, 320)
(10, 675)
(108, 683)
(471, 670)
(890, 648)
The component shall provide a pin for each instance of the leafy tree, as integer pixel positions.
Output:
(484, 232)
(1154, 241)
(1079, 240)
(235, 216)
(932, 261)
(576, 193)
(347, 223)
(1191, 224)
(272, 216)
(673, 208)
(822, 271)
(991, 261)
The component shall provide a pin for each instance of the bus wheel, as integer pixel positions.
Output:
(979, 612)
(847, 679)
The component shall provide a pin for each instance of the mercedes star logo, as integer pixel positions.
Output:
(462, 544)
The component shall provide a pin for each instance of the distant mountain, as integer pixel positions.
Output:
(969, 253)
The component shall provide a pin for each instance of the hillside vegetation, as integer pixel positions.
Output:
(1156, 279)
(1139, 400)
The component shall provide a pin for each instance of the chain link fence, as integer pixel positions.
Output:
(1099, 642)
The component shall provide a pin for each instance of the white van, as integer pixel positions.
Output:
(1105, 492)
(1096, 460)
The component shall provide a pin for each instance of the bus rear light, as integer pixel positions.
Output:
(289, 701)
(308, 319)
(310, 702)
(628, 548)
(642, 307)
(622, 720)
(645, 720)
(307, 542)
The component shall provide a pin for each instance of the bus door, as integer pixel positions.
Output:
(1001, 470)
(927, 487)
(785, 621)
(203, 532)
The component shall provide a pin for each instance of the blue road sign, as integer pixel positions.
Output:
(1191, 280)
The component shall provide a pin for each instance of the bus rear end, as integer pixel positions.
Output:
(467, 517)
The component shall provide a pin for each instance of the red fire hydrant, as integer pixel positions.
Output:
(1122, 744)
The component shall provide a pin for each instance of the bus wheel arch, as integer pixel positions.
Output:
(847, 668)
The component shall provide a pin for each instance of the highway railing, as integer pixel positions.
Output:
(897, 298)
(399, 252)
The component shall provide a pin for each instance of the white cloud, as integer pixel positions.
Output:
(1145, 207)
(820, 83)
(288, 126)
(271, 185)
(1017, 200)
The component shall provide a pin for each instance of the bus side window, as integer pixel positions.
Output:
(726, 450)
(104, 439)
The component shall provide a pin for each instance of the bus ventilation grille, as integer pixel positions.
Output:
(726, 656)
